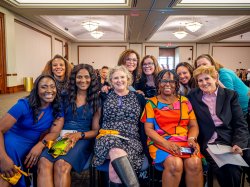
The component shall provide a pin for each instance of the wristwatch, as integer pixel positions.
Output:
(44, 142)
(82, 135)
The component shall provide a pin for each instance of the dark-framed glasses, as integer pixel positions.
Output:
(165, 81)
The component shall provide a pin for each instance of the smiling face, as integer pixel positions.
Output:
(83, 80)
(148, 66)
(184, 75)
(207, 83)
(203, 62)
(119, 81)
(58, 68)
(167, 84)
(131, 62)
(46, 91)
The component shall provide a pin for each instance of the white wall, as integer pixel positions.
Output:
(137, 48)
(183, 54)
(33, 49)
(202, 49)
(100, 56)
(58, 48)
(232, 57)
(27, 50)
(152, 51)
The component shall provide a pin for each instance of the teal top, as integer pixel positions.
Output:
(231, 81)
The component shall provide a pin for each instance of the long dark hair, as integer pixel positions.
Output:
(35, 101)
(162, 73)
(92, 92)
(191, 82)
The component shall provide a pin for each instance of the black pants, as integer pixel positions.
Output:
(228, 175)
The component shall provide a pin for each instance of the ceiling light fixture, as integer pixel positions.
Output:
(97, 34)
(193, 26)
(180, 34)
(90, 25)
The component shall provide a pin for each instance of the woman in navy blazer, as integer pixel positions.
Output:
(220, 120)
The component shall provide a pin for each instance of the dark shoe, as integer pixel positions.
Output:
(125, 171)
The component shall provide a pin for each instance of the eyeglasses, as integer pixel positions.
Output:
(148, 64)
(165, 81)
(131, 59)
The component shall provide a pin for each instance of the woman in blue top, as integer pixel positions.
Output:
(23, 128)
(82, 115)
(228, 78)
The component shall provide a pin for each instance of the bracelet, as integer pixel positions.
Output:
(192, 138)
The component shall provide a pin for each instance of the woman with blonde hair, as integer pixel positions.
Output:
(221, 121)
(119, 137)
(228, 79)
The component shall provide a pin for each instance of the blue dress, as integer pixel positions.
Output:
(79, 154)
(24, 134)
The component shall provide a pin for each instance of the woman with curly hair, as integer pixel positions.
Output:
(59, 68)
(149, 69)
(22, 129)
(81, 126)
(185, 72)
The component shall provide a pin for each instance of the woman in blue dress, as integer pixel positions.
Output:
(26, 127)
(82, 115)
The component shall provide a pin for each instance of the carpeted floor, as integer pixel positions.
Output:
(7, 100)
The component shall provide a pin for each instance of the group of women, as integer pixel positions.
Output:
(182, 111)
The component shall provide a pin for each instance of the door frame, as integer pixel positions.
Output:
(2, 49)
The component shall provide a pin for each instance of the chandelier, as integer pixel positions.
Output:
(90, 25)
(97, 34)
(180, 34)
(193, 26)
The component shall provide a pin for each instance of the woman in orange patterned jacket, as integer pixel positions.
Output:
(172, 131)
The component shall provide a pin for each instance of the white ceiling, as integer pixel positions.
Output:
(138, 21)
(112, 26)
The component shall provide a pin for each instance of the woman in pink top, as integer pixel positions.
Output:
(221, 121)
